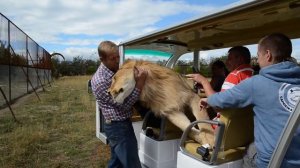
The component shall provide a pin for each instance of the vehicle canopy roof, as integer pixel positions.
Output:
(241, 23)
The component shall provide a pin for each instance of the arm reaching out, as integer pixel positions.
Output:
(203, 81)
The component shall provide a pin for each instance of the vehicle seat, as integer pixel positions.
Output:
(160, 128)
(236, 135)
(157, 128)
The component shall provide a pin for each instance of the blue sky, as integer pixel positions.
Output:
(75, 27)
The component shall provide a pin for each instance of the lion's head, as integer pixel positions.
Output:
(162, 86)
(123, 83)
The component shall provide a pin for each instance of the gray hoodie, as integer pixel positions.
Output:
(273, 94)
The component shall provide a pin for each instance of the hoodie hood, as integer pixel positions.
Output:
(287, 72)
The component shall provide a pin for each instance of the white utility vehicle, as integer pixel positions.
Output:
(242, 23)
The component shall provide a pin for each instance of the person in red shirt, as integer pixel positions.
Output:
(238, 63)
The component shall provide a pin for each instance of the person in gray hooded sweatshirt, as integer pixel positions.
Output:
(273, 93)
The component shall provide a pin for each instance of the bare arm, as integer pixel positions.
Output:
(204, 82)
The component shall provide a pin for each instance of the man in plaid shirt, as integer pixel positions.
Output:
(118, 127)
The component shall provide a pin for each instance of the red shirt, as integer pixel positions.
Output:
(236, 76)
(233, 78)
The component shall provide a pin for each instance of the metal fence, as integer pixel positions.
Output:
(24, 65)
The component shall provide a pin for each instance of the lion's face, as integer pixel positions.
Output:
(122, 85)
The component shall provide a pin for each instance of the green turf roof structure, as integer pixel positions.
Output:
(147, 53)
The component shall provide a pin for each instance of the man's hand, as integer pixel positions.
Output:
(140, 76)
(203, 103)
(197, 78)
(203, 81)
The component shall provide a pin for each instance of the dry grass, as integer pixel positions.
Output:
(58, 131)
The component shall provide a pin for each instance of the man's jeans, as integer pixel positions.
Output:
(123, 145)
(250, 157)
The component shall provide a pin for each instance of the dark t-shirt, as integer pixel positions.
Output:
(217, 82)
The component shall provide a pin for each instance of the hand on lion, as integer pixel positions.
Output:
(203, 103)
(197, 78)
(140, 76)
(204, 82)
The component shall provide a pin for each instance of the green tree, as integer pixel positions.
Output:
(78, 66)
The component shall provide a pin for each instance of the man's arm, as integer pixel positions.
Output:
(204, 82)
(101, 94)
(238, 97)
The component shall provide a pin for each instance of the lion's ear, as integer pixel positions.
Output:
(127, 60)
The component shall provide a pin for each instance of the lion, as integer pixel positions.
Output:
(165, 93)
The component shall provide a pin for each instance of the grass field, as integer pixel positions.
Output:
(58, 131)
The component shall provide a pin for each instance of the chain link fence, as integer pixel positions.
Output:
(24, 65)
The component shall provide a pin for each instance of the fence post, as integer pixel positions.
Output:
(7, 102)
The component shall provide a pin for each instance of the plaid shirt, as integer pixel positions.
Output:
(101, 81)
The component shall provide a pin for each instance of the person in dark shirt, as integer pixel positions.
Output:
(219, 73)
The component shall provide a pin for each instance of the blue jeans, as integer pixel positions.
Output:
(123, 145)
(250, 157)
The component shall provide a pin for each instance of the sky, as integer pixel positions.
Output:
(75, 27)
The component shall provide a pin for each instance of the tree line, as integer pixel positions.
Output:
(80, 66)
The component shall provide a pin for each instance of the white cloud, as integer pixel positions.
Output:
(45, 20)
(71, 52)
(84, 24)
(296, 49)
(77, 42)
